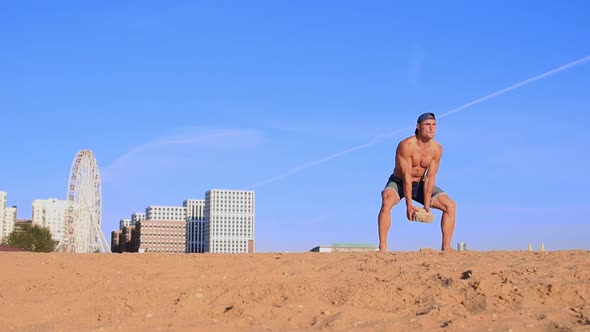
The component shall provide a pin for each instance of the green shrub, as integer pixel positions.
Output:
(31, 238)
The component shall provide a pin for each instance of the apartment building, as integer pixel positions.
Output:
(2, 209)
(230, 221)
(137, 217)
(195, 225)
(161, 229)
(115, 236)
(127, 239)
(50, 213)
(165, 213)
(125, 222)
(223, 223)
(161, 236)
(9, 221)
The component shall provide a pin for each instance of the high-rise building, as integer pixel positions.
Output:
(115, 236)
(195, 225)
(2, 209)
(50, 213)
(223, 222)
(137, 217)
(162, 230)
(129, 237)
(126, 234)
(9, 220)
(125, 222)
(165, 213)
(161, 236)
(229, 217)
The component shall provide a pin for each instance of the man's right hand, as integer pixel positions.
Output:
(410, 209)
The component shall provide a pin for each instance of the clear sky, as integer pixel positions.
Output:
(304, 102)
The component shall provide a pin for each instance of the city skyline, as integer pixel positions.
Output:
(177, 99)
(222, 222)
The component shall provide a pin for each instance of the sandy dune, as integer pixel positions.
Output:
(405, 291)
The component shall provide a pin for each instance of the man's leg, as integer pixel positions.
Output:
(447, 222)
(389, 198)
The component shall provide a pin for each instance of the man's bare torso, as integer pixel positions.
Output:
(422, 155)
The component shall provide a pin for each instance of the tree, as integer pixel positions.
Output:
(31, 238)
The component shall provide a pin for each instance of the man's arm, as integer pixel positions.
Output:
(403, 158)
(430, 178)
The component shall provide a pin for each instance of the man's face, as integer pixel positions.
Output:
(427, 128)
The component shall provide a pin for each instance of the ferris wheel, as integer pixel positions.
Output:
(83, 216)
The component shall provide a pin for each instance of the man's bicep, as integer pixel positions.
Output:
(403, 158)
(433, 169)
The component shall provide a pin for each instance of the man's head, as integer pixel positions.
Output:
(426, 125)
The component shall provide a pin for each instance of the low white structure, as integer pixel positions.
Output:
(345, 247)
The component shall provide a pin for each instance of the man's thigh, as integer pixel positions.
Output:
(440, 201)
(394, 188)
(390, 196)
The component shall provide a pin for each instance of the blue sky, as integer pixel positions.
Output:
(304, 102)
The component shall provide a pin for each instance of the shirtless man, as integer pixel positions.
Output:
(416, 163)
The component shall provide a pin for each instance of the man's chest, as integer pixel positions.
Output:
(422, 157)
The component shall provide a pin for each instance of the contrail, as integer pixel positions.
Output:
(380, 138)
(520, 84)
(298, 169)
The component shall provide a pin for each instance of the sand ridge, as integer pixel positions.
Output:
(401, 291)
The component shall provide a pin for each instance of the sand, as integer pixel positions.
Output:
(396, 291)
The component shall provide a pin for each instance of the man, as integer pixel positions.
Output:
(416, 163)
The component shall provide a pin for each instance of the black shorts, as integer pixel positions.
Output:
(397, 184)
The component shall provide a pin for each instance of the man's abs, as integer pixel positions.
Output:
(416, 174)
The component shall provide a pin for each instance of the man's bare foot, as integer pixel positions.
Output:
(382, 248)
(448, 249)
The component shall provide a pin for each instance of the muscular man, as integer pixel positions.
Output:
(416, 163)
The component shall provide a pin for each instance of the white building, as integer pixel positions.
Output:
(229, 217)
(50, 213)
(165, 213)
(195, 225)
(125, 222)
(9, 221)
(2, 209)
(137, 217)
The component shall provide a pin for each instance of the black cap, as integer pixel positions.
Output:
(423, 117)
